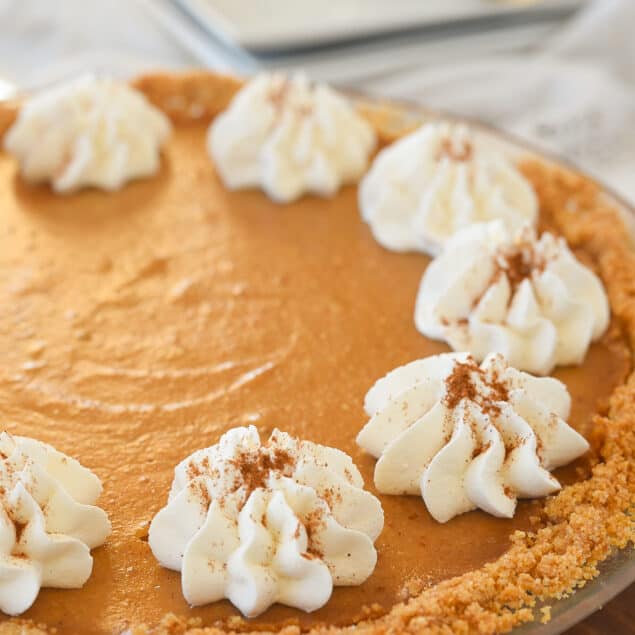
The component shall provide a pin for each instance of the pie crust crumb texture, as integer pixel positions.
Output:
(576, 529)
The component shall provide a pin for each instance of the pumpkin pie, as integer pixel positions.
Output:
(139, 325)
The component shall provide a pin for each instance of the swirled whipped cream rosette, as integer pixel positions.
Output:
(88, 132)
(290, 137)
(259, 523)
(465, 436)
(526, 297)
(441, 178)
(48, 521)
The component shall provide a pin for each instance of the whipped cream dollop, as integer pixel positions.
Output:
(528, 298)
(465, 436)
(290, 137)
(259, 523)
(88, 132)
(48, 521)
(423, 188)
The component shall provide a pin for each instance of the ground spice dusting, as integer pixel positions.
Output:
(459, 384)
(516, 266)
(278, 94)
(331, 496)
(19, 530)
(18, 525)
(313, 523)
(468, 381)
(193, 470)
(457, 151)
(519, 262)
(255, 468)
(200, 492)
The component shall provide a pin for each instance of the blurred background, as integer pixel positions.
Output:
(558, 72)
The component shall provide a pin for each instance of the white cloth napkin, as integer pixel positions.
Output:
(574, 96)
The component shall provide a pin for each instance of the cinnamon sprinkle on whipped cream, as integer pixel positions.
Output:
(525, 297)
(259, 523)
(460, 384)
(425, 187)
(467, 436)
(48, 521)
(290, 137)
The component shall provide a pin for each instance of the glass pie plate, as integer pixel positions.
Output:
(617, 572)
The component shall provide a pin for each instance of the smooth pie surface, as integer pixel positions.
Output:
(136, 327)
